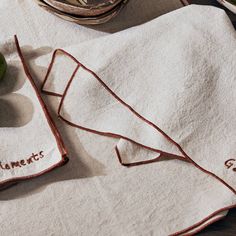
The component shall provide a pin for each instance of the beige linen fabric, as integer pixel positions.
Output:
(168, 85)
(26, 149)
(168, 76)
(93, 194)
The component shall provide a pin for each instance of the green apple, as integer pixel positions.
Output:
(3, 66)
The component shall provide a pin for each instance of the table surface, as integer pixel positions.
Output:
(227, 226)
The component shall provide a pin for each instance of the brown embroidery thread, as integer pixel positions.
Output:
(200, 222)
(185, 156)
(137, 163)
(230, 163)
(23, 162)
(61, 146)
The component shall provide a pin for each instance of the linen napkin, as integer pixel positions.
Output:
(167, 86)
(30, 143)
(146, 85)
(168, 197)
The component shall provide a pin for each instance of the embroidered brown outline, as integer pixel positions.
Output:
(184, 231)
(60, 144)
(187, 158)
(132, 164)
(91, 130)
(231, 164)
(202, 222)
(185, 3)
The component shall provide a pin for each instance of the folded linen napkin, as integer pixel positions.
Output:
(26, 149)
(167, 86)
(155, 199)
(157, 89)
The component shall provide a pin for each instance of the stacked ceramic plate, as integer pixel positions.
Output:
(230, 4)
(86, 12)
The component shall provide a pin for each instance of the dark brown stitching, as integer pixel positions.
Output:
(22, 162)
(5, 183)
(194, 232)
(134, 112)
(49, 70)
(138, 163)
(67, 87)
(197, 224)
(204, 220)
(118, 137)
(51, 123)
(231, 163)
(91, 130)
(117, 98)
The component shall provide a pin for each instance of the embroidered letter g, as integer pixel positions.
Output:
(229, 163)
